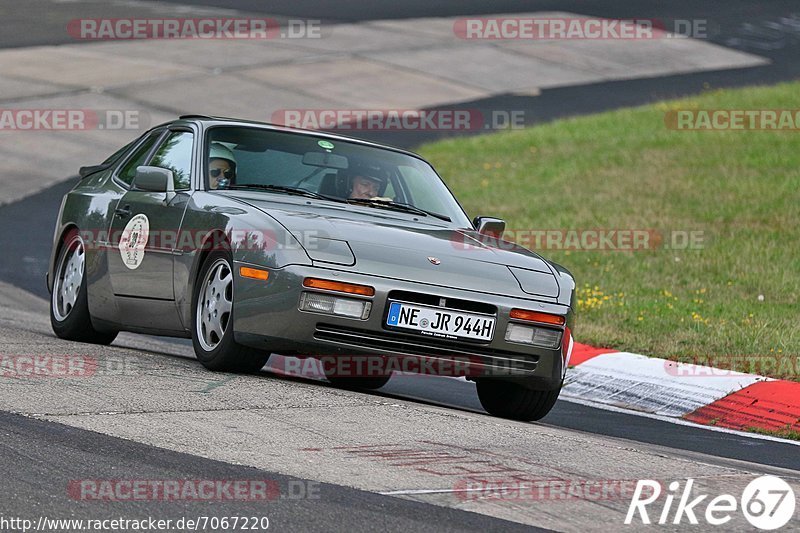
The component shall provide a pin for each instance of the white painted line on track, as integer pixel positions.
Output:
(428, 491)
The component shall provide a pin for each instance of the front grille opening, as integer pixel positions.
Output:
(414, 345)
(435, 301)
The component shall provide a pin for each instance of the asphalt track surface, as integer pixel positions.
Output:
(27, 231)
(26, 246)
(63, 453)
(27, 239)
(359, 11)
(769, 29)
(40, 491)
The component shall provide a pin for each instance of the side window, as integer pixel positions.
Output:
(128, 171)
(175, 154)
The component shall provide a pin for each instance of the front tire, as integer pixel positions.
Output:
(212, 323)
(511, 400)
(69, 302)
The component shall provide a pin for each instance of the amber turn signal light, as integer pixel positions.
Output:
(253, 273)
(536, 316)
(338, 286)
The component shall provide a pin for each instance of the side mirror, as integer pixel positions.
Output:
(490, 226)
(155, 179)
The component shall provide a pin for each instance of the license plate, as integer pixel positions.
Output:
(439, 322)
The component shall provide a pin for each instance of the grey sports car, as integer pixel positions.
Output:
(253, 239)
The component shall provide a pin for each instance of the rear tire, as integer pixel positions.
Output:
(212, 322)
(69, 302)
(510, 400)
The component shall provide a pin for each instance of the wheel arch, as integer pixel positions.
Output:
(215, 240)
(58, 244)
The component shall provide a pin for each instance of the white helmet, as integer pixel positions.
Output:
(220, 151)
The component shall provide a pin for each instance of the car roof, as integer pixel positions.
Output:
(208, 121)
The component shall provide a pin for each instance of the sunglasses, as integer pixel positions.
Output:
(215, 172)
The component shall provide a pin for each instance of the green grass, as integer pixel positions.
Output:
(734, 299)
(786, 433)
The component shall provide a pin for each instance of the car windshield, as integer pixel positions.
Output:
(275, 162)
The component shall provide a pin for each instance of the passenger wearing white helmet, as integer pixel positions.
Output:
(221, 166)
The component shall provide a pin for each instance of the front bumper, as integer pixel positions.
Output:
(267, 317)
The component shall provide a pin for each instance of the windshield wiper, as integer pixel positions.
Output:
(389, 204)
(285, 189)
(377, 202)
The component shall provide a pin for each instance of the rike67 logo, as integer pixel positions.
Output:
(768, 503)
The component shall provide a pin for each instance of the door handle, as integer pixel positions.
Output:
(123, 212)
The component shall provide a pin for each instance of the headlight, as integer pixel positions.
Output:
(335, 305)
(542, 337)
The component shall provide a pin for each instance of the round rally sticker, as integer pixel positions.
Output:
(134, 239)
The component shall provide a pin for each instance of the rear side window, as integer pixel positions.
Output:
(175, 154)
(128, 171)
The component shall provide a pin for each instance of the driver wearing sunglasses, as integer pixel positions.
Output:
(221, 167)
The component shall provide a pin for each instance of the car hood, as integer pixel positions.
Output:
(382, 245)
